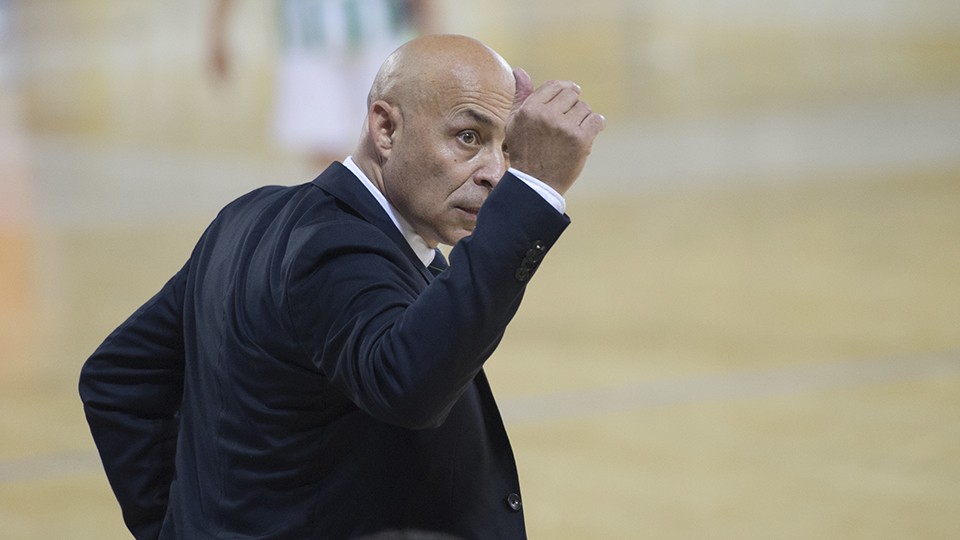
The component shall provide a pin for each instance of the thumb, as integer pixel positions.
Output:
(524, 88)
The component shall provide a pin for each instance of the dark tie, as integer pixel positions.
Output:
(439, 263)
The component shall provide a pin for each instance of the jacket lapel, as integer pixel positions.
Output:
(339, 182)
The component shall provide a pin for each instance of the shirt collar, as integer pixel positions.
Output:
(419, 246)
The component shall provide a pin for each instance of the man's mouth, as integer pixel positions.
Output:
(470, 210)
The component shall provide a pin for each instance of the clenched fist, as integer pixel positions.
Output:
(550, 131)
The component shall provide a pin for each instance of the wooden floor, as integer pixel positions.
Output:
(750, 331)
(753, 362)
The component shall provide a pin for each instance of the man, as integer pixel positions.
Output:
(305, 374)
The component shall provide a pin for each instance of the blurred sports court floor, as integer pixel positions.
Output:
(750, 330)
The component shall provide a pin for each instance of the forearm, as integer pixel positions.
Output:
(405, 357)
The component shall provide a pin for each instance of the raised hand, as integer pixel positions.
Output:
(550, 130)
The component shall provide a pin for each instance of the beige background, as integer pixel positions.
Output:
(750, 330)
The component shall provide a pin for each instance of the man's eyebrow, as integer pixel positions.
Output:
(477, 116)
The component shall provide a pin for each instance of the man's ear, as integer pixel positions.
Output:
(383, 121)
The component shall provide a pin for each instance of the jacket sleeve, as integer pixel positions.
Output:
(131, 388)
(402, 351)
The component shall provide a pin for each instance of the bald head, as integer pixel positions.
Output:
(433, 140)
(430, 65)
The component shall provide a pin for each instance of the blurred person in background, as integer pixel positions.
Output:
(330, 51)
(315, 370)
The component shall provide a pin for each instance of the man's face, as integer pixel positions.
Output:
(448, 154)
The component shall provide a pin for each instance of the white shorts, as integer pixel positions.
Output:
(323, 77)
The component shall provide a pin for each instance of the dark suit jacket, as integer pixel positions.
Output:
(302, 377)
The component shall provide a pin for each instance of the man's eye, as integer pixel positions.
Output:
(468, 137)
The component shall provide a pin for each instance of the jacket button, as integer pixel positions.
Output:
(513, 501)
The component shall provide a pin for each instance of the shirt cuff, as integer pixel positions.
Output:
(548, 193)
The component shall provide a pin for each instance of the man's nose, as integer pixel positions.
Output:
(493, 167)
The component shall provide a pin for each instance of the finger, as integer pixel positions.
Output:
(564, 102)
(549, 90)
(594, 122)
(578, 110)
(524, 87)
(584, 117)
